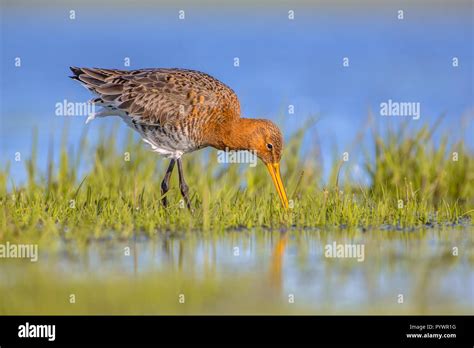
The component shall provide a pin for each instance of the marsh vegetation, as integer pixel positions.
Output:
(105, 238)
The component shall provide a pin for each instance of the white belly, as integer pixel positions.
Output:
(159, 142)
(171, 146)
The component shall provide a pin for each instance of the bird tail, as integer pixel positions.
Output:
(98, 81)
(91, 78)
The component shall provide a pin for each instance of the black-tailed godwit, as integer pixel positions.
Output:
(178, 111)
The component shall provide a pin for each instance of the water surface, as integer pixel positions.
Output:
(250, 272)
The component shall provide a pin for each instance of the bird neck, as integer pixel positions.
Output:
(236, 134)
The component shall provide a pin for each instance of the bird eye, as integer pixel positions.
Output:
(269, 146)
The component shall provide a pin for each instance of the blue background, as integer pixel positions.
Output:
(282, 62)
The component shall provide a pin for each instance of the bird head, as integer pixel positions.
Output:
(267, 142)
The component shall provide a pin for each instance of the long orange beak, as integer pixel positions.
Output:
(274, 170)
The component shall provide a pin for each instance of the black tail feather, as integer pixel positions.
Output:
(76, 71)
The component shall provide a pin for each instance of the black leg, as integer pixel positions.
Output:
(165, 184)
(182, 184)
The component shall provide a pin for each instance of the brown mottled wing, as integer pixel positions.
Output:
(159, 96)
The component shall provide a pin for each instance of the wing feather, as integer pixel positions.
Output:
(158, 96)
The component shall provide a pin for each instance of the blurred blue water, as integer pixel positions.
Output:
(282, 62)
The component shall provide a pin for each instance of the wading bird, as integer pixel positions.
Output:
(178, 111)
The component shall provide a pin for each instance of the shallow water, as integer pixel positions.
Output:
(250, 272)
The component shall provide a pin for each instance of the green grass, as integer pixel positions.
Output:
(124, 196)
(115, 201)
